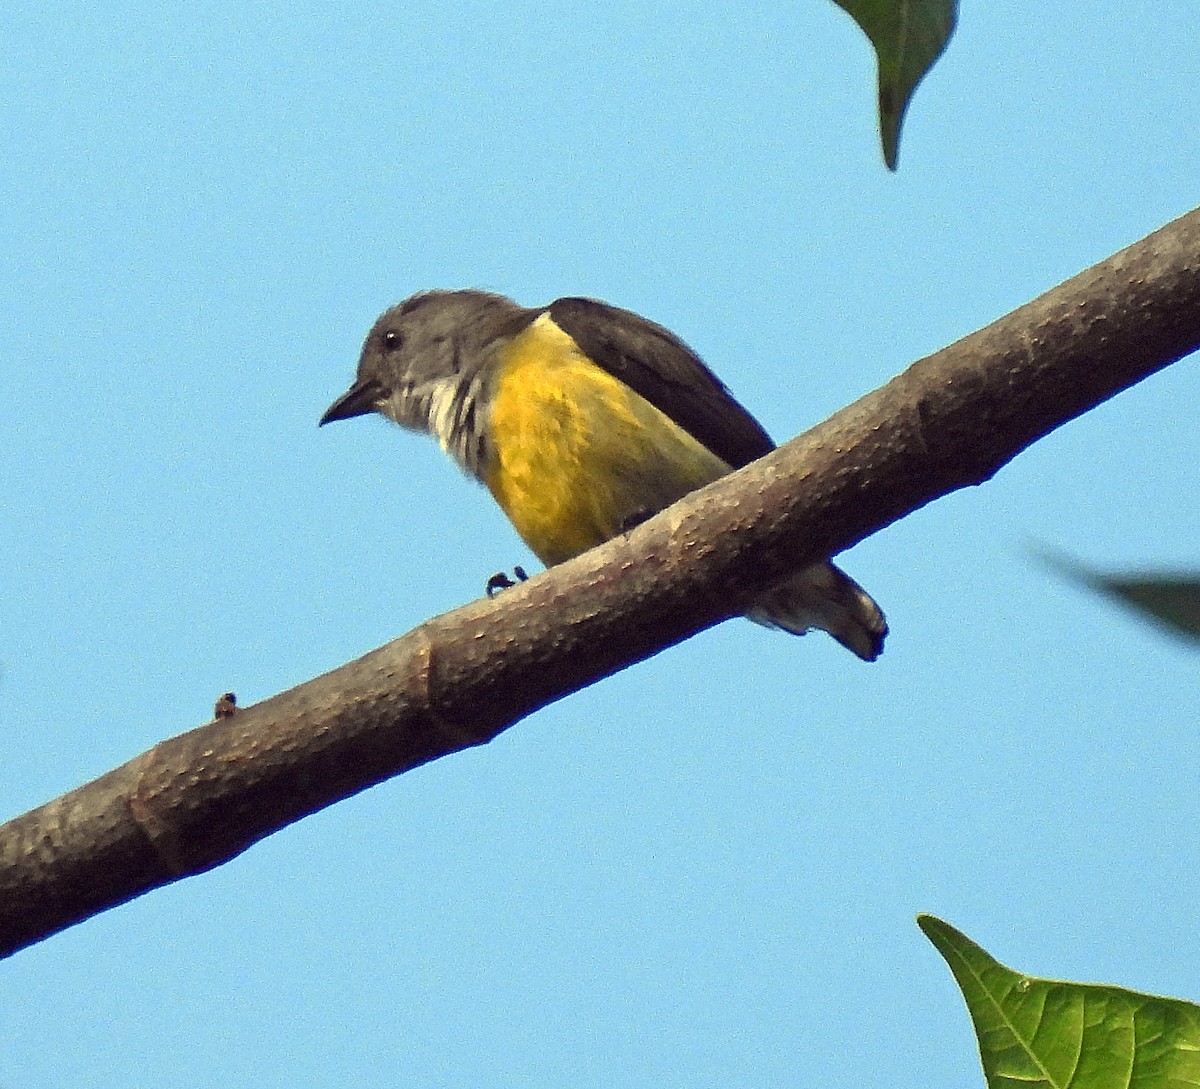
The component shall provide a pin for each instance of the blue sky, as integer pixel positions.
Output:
(700, 872)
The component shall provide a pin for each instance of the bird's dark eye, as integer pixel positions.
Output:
(393, 340)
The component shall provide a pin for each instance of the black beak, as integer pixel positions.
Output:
(358, 400)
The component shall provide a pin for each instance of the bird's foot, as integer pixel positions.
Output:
(500, 580)
(631, 521)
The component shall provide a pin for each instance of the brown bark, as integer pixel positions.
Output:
(950, 420)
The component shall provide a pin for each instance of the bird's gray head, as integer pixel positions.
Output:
(425, 364)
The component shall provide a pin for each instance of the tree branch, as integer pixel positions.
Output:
(953, 419)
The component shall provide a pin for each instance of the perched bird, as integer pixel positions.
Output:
(581, 419)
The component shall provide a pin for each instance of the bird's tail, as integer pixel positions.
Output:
(823, 596)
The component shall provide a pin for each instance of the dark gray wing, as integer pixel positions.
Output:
(658, 365)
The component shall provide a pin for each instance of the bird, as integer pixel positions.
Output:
(582, 419)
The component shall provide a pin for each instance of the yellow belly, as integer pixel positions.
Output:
(578, 455)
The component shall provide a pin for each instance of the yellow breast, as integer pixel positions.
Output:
(578, 455)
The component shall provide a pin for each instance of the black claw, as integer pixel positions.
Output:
(500, 580)
(631, 521)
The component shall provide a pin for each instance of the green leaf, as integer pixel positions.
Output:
(1170, 600)
(1045, 1032)
(908, 36)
